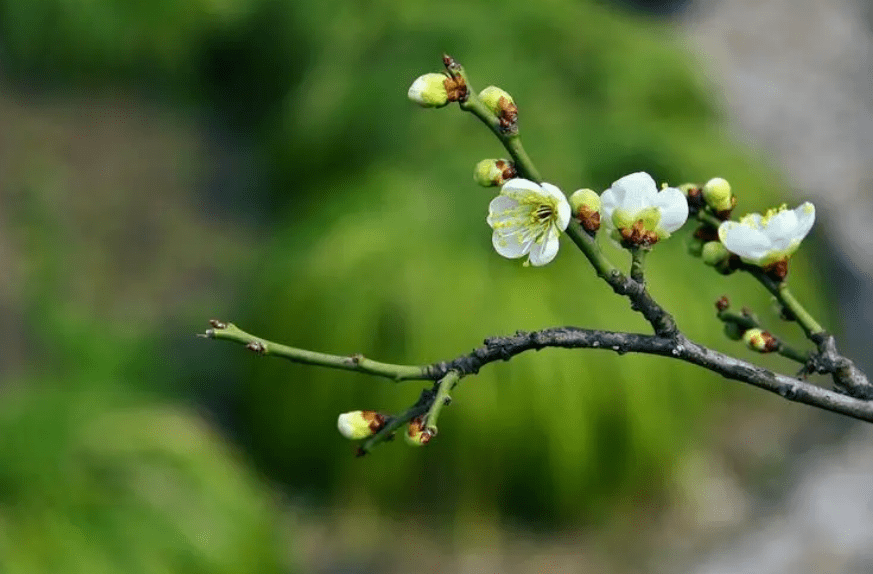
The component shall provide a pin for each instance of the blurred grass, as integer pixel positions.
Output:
(372, 240)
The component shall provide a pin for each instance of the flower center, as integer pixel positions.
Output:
(543, 213)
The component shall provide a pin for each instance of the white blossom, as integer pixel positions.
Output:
(765, 239)
(527, 219)
(637, 212)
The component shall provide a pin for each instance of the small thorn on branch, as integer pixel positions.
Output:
(216, 324)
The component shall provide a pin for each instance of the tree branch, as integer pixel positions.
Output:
(504, 348)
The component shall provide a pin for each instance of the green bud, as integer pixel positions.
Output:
(356, 425)
(585, 197)
(585, 205)
(493, 172)
(491, 97)
(759, 340)
(717, 194)
(714, 253)
(417, 434)
(686, 188)
(429, 91)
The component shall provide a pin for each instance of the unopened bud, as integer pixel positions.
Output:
(492, 96)
(718, 196)
(760, 341)
(585, 204)
(501, 105)
(493, 172)
(430, 90)
(417, 434)
(715, 254)
(356, 425)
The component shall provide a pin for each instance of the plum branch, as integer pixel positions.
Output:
(527, 218)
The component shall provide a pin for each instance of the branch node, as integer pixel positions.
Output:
(257, 347)
(216, 324)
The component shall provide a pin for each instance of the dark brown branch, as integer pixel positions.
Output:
(677, 347)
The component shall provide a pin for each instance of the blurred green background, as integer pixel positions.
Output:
(165, 162)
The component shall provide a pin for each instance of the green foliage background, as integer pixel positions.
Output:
(374, 241)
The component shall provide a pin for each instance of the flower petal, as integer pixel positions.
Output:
(674, 208)
(502, 210)
(542, 252)
(634, 192)
(608, 204)
(510, 245)
(749, 243)
(787, 228)
(563, 206)
(520, 188)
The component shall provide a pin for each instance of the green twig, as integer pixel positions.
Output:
(780, 290)
(511, 141)
(704, 216)
(358, 363)
(445, 385)
(746, 321)
(638, 264)
(589, 247)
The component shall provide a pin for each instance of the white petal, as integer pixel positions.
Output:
(674, 208)
(550, 190)
(747, 242)
(635, 192)
(805, 218)
(780, 227)
(502, 210)
(560, 200)
(510, 246)
(519, 188)
(564, 213)
(608, 204)
(502, 203)
(788, 228)
(542, 253)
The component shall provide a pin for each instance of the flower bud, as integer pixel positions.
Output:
(430, 90)
(356, 425)
(493, 172)
(715, 254)
(501, 105)
(760, 341)
(586, 204)
(717, 193)
(492, 96)
(417, 434)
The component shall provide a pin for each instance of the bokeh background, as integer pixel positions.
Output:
(167, 162)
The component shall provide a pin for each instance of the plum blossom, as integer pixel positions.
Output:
(767, 239)
(527, 219)
(638, 214)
